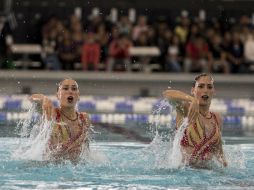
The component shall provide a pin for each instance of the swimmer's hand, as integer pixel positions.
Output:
(46, 105)
(223, 161)
(193, 110)
(48, 108)
(36, 98)
(225, 164)
(221, 158)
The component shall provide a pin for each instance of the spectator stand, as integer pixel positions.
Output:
(27, 55)
(142, 52)
(137, 52)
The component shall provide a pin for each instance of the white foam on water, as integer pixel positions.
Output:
(35, 133)
(165, 149)
(167, 153)
(235, 157)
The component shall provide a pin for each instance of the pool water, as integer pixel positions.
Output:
(125, 165)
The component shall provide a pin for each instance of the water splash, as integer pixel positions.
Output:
(165, 149)
(235, 157)
(34, 132)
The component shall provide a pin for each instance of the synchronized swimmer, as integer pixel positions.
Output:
(201, 141)
(69, 137)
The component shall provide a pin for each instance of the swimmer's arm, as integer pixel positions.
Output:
(177, 96)
(220, 154)
(178, 99)
(36, 97)
(37, 100)
(44, 105)
(86, 129)
(76, 145)
(186, 105)
(87, 119)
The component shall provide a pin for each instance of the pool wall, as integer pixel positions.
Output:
(127, 98)
(121, 84)
(238, 114)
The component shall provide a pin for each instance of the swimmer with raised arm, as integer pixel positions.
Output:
(69, 137)
(201, 140)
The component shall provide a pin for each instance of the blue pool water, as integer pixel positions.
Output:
(126, 165)
(116, 162)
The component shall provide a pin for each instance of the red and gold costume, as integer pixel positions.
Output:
(199, 142)
(62, 144)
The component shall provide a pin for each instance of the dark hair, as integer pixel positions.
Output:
(199, 76)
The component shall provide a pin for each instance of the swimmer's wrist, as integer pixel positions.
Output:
(191, 98)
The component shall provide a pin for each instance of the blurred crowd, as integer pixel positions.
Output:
(185, 45)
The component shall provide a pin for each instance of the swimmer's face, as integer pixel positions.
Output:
(204, 90)
(68, 93)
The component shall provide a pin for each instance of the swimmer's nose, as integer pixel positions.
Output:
(69, 93)
(206, 89)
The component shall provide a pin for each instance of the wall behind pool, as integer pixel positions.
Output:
(121, 84)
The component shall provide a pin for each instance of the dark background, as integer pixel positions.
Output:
(30, 15)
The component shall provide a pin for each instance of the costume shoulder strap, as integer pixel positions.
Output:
(84, 119)
(215, 118)
(58, 115)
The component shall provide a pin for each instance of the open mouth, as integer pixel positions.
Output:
(205, 97)
(70, 99)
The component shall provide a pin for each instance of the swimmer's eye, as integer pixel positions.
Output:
(210, 87)
(74, 88)
(65, 88)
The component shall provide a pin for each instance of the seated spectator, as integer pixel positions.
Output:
(164, 37)
(119, 54)
(51, 38)
(151, 36)
(209, 35)
(218, 56)
(140, 27)
(103, 37)
(67, 52)
(77, 36)
(227, 40)
(193, 31)
(182, 28)
(235, 55)
(249, 51)
(5, 44)
(124, 25)
(174, 55)
(142, 41)
(197, 55)
(90, 53)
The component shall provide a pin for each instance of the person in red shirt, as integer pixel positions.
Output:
(197, 55)
(119, 53)
(90, 53)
